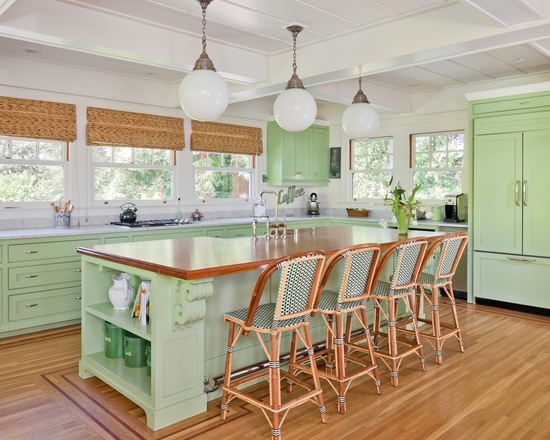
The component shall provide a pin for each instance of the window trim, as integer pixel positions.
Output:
(412, 156)
(93, 202)
(251, 170)
(371, 200)
(63, 162)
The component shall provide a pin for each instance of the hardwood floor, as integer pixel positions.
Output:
(498, 389)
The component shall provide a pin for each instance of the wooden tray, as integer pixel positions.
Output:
(357, 212)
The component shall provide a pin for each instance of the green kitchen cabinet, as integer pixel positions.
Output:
(510, 202)
(511, 153)
(297, 158)
(41, 282)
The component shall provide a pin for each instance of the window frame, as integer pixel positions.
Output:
(412, 150)
(381, 171)
(251, 170)
(91, 194)
(63, 163)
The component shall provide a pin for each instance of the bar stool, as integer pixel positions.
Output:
(300, 275)
(446, 252)
(393, 346)
(338, 362)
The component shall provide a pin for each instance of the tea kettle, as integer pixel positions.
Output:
(128, 213)
(196, 215)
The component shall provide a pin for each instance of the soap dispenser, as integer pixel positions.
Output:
(179, 213)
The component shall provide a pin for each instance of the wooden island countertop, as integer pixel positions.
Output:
(202, 257)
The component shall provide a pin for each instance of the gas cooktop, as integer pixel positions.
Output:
(148, 223)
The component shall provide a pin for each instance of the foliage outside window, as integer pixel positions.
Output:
(438, 163)
(222, 175)
(127, 173)
(371, 167)
(32, 170)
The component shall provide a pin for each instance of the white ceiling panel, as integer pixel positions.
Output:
(250, 45)
(452, 69)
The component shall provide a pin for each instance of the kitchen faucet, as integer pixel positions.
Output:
(276, 224)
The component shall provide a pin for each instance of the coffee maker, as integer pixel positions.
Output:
(313, 205)
(455, 208)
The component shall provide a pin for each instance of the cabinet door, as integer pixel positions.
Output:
(536, 206)
(497, 193)
(319, 154)
(513, 279)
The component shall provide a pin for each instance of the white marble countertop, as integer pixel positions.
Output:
(113, 229)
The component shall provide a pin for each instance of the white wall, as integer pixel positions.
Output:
(445, 110)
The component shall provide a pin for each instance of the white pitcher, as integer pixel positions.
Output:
(121, 293)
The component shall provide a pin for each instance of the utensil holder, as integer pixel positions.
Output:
(62, 220)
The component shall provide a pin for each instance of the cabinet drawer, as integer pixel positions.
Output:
(513, 279)
(44, 275)
(241, 232)
(46, 250)
(53, 305)
(193, 232)
(512, 104)
(215, 233)
(512, 123)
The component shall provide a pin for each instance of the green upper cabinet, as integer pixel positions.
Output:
(297, 157)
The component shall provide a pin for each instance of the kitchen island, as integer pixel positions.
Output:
(193, 282)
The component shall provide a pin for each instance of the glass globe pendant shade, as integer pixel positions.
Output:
(295, 109)
(203, 95)
(360, 121)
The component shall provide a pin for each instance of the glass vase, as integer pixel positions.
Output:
(403, 220)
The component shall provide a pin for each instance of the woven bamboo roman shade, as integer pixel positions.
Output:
(216, 137)
(34, 119)
(128, 129)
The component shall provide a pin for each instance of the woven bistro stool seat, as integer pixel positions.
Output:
(298, 283)
(443, 255)
(392, 345)
(342, 361)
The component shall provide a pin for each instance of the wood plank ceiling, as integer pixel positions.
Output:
(398, 46)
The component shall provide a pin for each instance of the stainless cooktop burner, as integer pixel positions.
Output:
(148, 223)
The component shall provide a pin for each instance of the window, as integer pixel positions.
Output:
(222, 175)
(128, 173)
(32, 170)
(372, 167)
(438, 162)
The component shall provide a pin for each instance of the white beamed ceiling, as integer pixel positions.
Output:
(400, 47)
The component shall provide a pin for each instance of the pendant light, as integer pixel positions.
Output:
(295, 109)
(360, 120)
(203, 93)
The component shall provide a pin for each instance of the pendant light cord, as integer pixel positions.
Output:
(204, 5)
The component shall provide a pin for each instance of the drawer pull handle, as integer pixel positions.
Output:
(522, 260)
(31, 252)
(78, 270)
(238, 235)
(31, 305)
(78, 298)
(31, 276)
